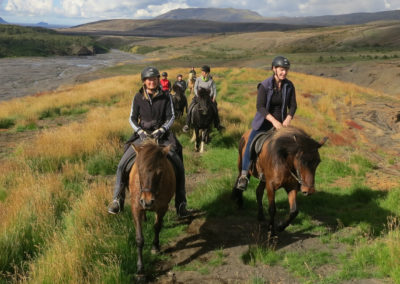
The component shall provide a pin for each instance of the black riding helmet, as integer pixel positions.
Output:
(281, 61)
(205, 68)
(165, 74)
(150, 72)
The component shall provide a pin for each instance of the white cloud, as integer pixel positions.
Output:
(90, 10)
(30, 7)
(156, 10)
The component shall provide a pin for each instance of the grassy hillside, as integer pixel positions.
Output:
(172, 28)
(29, 41)
(55, 187)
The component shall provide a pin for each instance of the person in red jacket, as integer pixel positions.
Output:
(165, 83)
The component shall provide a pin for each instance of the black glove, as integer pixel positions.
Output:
(157, 134)
(142, 134)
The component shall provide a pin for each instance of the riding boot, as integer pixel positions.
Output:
(180, 194)
(122, 180)
(243, 181)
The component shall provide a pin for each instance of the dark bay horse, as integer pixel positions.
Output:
(152, 185)
(202, 119)
(179, 100)
(288, 159)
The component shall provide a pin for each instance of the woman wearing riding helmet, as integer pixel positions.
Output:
(152, 115)
(276, 106)
(205, 81)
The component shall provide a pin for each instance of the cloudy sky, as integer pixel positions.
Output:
(72, 12)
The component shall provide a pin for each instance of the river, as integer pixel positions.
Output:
(24, 76)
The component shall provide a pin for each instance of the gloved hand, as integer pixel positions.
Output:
(142, 134)
(157, 134)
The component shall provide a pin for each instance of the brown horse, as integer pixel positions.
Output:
(288, 159)
(152, 185)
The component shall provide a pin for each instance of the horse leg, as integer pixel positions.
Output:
(260, 193)
(271, 208)
(193, 137)
(157, 228)
(292, 197)
(137, 217)
(203, 135)
(197, 141)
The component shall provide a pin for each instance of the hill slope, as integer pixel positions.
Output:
(241, 15)
(2, 21)
(213, 14)
(169, 28)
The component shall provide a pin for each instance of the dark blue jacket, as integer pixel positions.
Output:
(264, 100)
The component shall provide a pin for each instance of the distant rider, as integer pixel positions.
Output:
(180, 83)
(165, 83)
(206, 82)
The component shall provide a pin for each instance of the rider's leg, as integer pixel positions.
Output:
(122, 179)
(180, 194)
(189, 115)
(244, 177)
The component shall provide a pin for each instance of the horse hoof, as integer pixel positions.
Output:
(155, 250)
(140, 278)
(261, 218)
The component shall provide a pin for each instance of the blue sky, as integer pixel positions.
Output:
(73, 12)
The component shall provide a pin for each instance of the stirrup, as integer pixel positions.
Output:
(242, 183)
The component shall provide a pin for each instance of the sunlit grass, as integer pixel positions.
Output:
(55, 187)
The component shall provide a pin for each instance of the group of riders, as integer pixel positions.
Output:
(152, 115)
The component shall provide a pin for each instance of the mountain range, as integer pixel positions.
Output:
(240, 15)
(2, 21)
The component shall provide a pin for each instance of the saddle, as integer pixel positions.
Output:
(257, 144)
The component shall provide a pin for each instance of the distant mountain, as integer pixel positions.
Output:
(337, 20)
(2, 21)
(213, 14)
(172, 28)
(42, 24)
(239, 15)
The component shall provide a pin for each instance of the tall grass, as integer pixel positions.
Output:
(54, 188)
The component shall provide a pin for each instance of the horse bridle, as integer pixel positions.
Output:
(298, 178)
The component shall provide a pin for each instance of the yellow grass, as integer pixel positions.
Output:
(70, 246)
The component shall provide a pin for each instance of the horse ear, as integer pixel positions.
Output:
(166, 149)
(295, 138)
(322, 142)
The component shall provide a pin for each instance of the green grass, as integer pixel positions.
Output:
(33, 41)
(6, 123)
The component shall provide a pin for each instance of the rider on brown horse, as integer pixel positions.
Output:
(276, 106)
(204, 82)
(152, 115)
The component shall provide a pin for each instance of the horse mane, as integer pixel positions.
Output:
(289, 141)
(151, 154)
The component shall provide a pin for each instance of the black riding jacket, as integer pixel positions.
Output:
(150, 113)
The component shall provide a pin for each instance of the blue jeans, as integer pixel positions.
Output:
(246, 157)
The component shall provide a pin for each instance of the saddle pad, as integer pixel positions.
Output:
(258, 142)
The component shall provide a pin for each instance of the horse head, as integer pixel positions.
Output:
(306, 161)
(150, 162)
